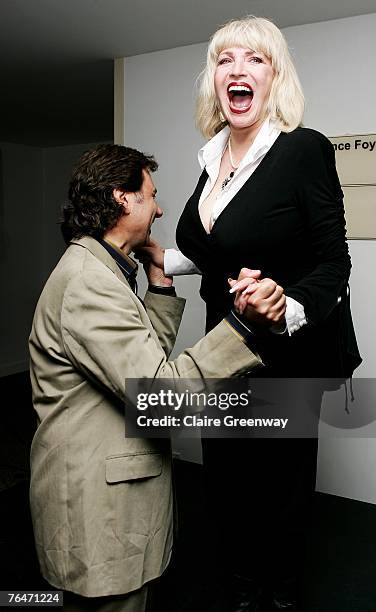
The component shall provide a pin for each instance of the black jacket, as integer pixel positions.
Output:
(288, 221)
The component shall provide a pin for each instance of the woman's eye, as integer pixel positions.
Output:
(255, 59)
(223, 60)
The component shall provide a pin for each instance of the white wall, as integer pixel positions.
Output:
(34, 186)
(335, 61)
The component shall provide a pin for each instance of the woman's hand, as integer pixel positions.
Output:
(151, 256)
(151, 252)
(247, 278)
(156, 276)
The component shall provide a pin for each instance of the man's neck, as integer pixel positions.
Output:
(118, 239)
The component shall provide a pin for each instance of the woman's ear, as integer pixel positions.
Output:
(121, 197)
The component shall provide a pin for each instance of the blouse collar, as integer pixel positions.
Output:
(213, 149)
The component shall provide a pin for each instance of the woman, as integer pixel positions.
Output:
(268, 198)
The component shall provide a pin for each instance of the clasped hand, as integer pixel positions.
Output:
(262, 302)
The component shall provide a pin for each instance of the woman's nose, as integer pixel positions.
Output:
(238, 67)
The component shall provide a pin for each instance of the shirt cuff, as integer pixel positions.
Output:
(176, 264)
(243, 330)
(159, 289)
(295, 315)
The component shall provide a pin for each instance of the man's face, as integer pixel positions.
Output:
(143, 211)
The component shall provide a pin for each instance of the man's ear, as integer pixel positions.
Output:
(121, 197)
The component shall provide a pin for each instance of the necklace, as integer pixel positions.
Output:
(230, 155)
(229, 177)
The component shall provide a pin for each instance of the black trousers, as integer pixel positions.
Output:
(258, 498)
(129, 602)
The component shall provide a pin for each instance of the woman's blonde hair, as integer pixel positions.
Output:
(286, 100)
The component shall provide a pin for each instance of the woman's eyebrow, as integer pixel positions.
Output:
(247, 52)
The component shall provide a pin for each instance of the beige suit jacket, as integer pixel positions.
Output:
(102, 503)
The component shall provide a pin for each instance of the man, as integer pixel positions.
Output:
(102, 503)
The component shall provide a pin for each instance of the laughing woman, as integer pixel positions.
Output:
(268, 198)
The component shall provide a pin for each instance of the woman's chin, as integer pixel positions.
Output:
(246, 120)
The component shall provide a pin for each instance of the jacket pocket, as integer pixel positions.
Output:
(133, 467)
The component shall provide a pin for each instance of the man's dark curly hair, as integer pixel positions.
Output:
(92, 209)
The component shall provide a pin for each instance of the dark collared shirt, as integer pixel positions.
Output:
(126, 264)
(130, 268)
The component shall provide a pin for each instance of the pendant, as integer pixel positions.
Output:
(227, 180)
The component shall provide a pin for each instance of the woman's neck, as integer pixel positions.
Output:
(242, 139)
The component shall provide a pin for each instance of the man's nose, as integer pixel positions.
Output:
(159, 212)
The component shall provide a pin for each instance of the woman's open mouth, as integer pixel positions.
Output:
(240, 96)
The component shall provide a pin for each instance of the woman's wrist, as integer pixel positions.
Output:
(156, 276)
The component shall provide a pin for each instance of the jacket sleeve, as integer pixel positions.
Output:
(321, 199)
(106, 339)
(165, 313)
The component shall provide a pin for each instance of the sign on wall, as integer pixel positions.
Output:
(356, 166)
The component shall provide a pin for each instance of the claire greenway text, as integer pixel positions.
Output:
(193, 420)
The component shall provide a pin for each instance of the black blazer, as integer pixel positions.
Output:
(288, 221)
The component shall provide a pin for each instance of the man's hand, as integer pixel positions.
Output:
(261, 302)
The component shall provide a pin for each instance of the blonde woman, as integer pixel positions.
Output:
(268, 198)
